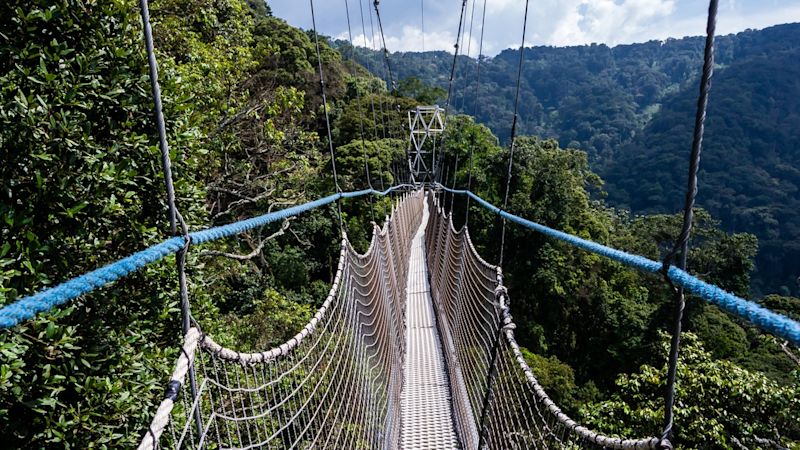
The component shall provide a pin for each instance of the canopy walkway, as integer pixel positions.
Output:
(413, 348)
(414, 345)
(425, 400)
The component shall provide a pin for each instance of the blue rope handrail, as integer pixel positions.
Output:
(763, 318)
(27, 307)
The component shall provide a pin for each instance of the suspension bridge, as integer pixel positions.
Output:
(413, 348)
(414, 345)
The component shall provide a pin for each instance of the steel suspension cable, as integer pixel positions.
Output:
(392, 81)
(480, 60)
(174, 214)
(446, 179)
(464, 34)
(450, 81)
(475, 114)
(369, 69)
(422, 20)
(385, 50)
(374, 47)
(455, 176)
(360, 107)
(681, 248)
(372, 97)
(327, 116)
(469, 181)
(469, 50)
(455, 59)
(513, 131)
(159, 115)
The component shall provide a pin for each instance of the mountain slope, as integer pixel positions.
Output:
(631, 109)
(749, 175)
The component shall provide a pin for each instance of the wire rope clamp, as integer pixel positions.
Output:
(173, 388)
(665, 444)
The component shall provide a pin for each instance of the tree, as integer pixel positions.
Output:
(425, 94)
(719, 404)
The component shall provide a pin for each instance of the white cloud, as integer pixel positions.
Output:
(410, 40)
(730, 20)
(550, 22)
(607, 21)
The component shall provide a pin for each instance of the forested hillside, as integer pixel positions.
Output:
(81, 185)
(750, 179)
(630, 107)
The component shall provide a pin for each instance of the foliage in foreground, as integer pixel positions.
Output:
(719, 404)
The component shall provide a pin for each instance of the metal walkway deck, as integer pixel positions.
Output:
(425, 401)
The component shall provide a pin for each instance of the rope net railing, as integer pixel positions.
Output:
(767, 320)
(497, 401)
(336, 384)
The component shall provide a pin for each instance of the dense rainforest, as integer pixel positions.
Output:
(630, 108)
(81, 185)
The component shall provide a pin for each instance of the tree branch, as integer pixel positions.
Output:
(256, 251)
(244, 201)
(789, 353)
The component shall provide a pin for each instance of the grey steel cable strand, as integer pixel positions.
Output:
(444, 183)
(327, 115)
(159, 115)
(392, 84)
(385, 49)
(450, 85)
(475, 113)
(469, 48)
(478, 65)
(682, 244)
(513, 131)
(360, 110)
(455, 59)
(371, 46)
(174, 214)
(469, 183)
(422, 19)
(453, 196)
(463, 36)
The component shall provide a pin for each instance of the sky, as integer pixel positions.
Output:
(550, 22)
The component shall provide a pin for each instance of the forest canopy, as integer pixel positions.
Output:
(81, 185)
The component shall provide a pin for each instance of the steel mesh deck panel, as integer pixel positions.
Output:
(427, 417)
